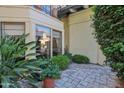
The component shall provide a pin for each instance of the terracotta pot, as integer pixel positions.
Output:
(48, 83)
(120, 83)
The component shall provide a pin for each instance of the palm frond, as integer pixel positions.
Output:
(12, 69)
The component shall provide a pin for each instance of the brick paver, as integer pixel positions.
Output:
(87, 76)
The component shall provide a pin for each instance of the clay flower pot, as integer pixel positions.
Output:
(120, 83)
(48, 83)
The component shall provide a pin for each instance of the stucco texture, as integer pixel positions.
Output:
(79, 38)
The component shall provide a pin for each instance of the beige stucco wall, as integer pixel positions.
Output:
(66, 32)
(81, 40)
(28, 13)
(31, 17)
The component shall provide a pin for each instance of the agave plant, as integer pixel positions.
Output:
(13, 65)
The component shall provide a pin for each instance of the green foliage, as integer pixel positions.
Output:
(42, 64)
(80, 59)
(108, 22)
(69, 55)
(12, 69)
(62, 61)
(50, 70)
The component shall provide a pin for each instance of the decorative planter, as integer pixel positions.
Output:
(48, 83)
(120, 83)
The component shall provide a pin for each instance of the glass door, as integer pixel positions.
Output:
(43, 35)
(57, 43)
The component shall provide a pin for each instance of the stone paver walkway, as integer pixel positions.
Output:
(87, 76)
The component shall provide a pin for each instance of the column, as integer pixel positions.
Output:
(30, 29)
(51, 52)
(63, 42)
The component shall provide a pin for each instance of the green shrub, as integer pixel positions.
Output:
(62, 61)
(80, 59)
(51, 70)
(69, 55)
(108, 22)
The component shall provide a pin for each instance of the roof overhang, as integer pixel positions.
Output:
(69, 9)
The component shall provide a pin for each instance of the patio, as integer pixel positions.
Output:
(87, 76)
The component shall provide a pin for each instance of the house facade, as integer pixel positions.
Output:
(40, 21)
(73, 33)
(78, 32)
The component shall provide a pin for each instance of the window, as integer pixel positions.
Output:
(43, 38)
(12, 28)
(46, 9)
(57, 43)
(43, 35)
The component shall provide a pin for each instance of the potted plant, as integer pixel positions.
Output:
(49, 74)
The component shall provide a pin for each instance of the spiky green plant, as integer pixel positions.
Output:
(13, 65)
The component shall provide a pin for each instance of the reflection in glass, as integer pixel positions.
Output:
(57, 43)
(43, 42)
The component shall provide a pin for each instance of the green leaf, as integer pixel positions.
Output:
(32, 67)
(5, 82)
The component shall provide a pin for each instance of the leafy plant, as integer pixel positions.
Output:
(50, 70)
(108, 22)
(11, 68)
(43, 65)
(80, 59)
(62, 61)
(69, 55)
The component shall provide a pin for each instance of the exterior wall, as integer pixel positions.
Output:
(31, 17)
(81, 40)
(41, 18)
(66, 33)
